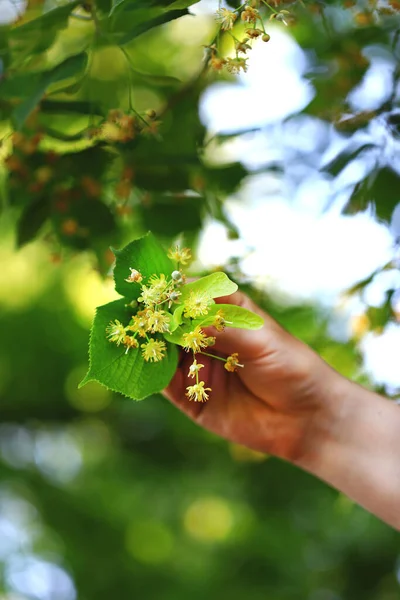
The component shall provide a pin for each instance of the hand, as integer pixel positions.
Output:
(271, 403)
(288, 402)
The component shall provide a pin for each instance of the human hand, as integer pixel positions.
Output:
(271, 403)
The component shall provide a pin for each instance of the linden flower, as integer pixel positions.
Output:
(139, 324)
(150, 295)
(134, 277)
(226, 17)
(253, 33)
(198, 392)
(196, 340)
(130, 342)
(158, 321)
(180, 255)
(219, 321)
(232, 362)
(217, 64)
(116, 332)
(158, 283)
(250, 15)
(153, 350)
(234, 65)
(197, 304)
(242, 46)
(194, 369)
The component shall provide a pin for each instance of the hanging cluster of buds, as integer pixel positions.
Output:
(145, 330)
(249, 14)
(123, 127)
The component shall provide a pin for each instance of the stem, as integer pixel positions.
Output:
(270, 7)
(240, 7)
(96, 20)
(197, 373)
(131, 71)
(213, 356)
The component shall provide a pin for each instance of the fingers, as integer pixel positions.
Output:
(250, 344)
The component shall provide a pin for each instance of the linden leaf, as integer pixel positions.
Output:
(145, 255)
(235, 316)
(176, 318)
(216, 285)
(126, 373)
(176, 337)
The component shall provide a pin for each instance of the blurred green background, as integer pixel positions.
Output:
(102, 497)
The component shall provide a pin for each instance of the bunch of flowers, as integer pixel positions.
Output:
(249, 14)
(159, 295)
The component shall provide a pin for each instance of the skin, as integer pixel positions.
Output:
(288, 402)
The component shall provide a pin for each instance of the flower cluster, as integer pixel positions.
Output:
(249, 15)
(152, 321)
(123, 127)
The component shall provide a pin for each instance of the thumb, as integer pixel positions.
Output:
(248, 343)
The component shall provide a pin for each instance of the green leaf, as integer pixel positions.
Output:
(129, 21)
(170, 215)
(381, 188)
(182, 4)
(216, 285)
(32, 219)
(176, 318)
(176, 337)
(38, 34)
(236, 317)
(147, 256)
(82, 107)
(335, 166)
(69, 68)
(94, 221)
(224, 179)
(126, 373)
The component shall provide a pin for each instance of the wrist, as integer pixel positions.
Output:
(327, 429)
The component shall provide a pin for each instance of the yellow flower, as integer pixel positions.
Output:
(153, 350)
(250, 15)
(134, 277)
(180, 255)
(219, 321)
(253, 33)
(232, 362)
(242, 46)
(149, 295)
(194, 369)
(217, 63)
(234, 65)
(139, 323)
(197, 304)
(226, 17)
(130, 342)
(197, 392)
(158, 321)
(196, 340)
(116, 332)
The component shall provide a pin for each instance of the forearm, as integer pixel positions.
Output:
(356, 448)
